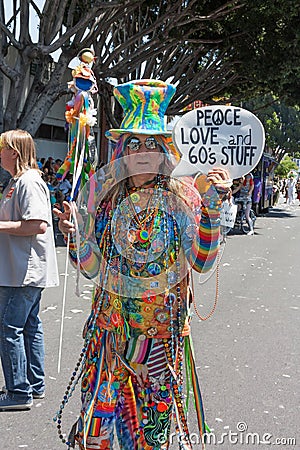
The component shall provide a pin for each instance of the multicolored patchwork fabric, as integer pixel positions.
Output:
(114, 397)
(145, 279)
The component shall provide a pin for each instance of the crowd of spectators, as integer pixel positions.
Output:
(59, 190)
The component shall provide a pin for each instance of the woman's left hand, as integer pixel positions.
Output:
(220, 179)
(217, 177)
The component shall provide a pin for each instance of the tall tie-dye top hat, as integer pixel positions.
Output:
(144, 103)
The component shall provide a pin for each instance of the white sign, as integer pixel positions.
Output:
(228, 214)
(218, 136)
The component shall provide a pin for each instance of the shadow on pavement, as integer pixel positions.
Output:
(278, 213)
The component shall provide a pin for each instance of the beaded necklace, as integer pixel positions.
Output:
(174, 346)
(143, 221)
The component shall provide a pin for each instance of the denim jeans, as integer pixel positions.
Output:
(21, 341)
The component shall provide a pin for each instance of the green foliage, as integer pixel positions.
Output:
(258, 41)
(281, 123)
(265, 42)
(285, 166)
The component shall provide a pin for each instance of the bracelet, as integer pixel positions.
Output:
(210, 202)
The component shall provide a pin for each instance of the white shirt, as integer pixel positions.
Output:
(27, 260)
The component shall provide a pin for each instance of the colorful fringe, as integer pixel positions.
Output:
(192, 375)
(77, 161)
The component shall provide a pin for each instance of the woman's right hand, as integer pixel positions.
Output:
(64, 224)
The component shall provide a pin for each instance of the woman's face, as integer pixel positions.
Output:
(8, 158)
(144, 155)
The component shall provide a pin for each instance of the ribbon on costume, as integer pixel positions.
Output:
(192, 375)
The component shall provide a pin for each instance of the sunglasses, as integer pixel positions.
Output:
(150, 143)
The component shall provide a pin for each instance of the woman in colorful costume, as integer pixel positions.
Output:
(148, 231)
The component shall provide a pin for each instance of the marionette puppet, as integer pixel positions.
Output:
(80, 115)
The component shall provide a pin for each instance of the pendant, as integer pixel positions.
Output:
(154, 269)
(157, 246)
(169, 299)
(172, 256)
(142, 236)
(149, 296)
(172, 277)
(152, 331)
(135, 197)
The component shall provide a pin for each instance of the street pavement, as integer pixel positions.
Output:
(247, 353)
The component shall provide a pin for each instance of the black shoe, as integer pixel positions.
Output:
(35, 395)
(7, 403)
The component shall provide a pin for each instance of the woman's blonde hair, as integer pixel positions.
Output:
(21, 141)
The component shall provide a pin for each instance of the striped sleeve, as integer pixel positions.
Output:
(89, 256)
(205, 245)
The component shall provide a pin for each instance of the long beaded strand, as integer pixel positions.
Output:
(177, 382)
(83, 355)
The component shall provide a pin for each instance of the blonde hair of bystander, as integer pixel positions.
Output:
(22, 142)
